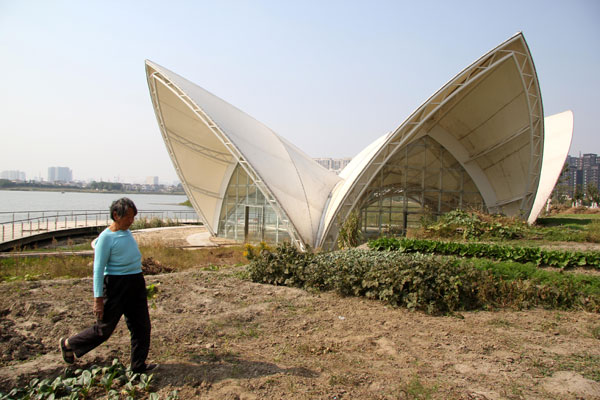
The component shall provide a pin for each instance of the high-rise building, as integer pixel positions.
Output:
(13, 175)
(579, 174)
(333, 164)
(60, 174)
(152, 180)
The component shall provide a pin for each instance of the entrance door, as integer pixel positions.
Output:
(253, 224)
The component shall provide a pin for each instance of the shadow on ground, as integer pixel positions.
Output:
(207, 369)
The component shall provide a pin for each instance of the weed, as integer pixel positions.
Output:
(500, 323)
(343, 380)
(415, 389)
(151, 293)
(251, 331)
(583, 364)
(284, 350)
(241, 274)
(350, 232)
(595, 331)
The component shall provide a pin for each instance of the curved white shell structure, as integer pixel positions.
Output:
(477, 142)
(208, 137)
(557, 141)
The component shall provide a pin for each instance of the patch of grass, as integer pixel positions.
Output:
(65, 266)
(575, 216)
(181, 259)
(565, 220)
(155, 222)
(30, 268)
(240, 273)
(344, 380)
(249, 331)
(512, 271)
(595, 331)
(593, 232)
(415, 389)
(500, 323)
(587, 365)
(571, 227)
(287, 305)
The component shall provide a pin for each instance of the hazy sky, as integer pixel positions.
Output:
(330, 76)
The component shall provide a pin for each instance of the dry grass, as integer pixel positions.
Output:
(36, 268)
(182, 259)
(52, 267)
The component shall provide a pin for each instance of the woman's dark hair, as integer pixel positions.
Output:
(121, 206)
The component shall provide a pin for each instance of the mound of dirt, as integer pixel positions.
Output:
(152, 267)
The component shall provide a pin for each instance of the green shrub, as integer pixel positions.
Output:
(154, 222)
(282, 267)
(433, 284)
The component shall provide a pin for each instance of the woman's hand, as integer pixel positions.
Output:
(99, 307)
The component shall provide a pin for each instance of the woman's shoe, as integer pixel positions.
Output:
(67, 354)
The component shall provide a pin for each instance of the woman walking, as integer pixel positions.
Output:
(119, 289)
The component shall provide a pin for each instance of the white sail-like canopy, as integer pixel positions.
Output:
(558, 133)
(207, 137)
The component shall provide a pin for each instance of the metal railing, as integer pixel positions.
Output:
(19, 224)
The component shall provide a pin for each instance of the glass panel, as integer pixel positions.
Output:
(246, 215)
(423, 177)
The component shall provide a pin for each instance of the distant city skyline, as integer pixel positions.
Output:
(54, 175)
(330, 77)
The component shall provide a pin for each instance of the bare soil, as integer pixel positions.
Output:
(217, 336)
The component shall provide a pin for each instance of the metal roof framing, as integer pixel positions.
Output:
(157, 76)
(427, 113)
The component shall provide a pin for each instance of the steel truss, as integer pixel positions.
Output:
(424, 118)
(237, 155)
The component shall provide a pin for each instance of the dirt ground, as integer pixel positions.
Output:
(217, 336)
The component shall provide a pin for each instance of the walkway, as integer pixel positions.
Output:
(186, 237)
(20, 228)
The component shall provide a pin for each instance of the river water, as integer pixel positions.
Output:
(14, 201)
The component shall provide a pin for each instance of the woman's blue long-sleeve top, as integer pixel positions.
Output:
(116, 253)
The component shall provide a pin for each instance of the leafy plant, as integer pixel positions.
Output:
(152, 291)
(350, 234)
(472, 225)
(79, 384)
(552, 258)
(251, 252)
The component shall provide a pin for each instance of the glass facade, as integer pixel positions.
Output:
(421, 179)
(247, 215)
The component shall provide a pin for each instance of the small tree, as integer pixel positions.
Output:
(559, 193)
(350, 233)
(578, 196)
(593, 195)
